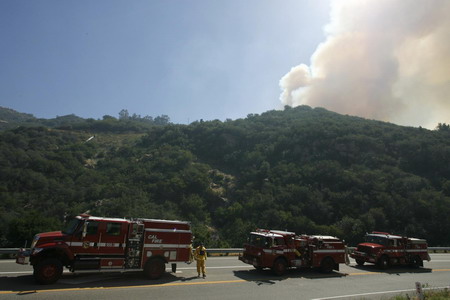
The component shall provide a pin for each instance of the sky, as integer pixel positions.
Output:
(211, 59)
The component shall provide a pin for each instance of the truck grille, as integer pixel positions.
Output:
(364, 249)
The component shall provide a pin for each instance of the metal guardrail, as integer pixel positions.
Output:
(239, 250)
(227, 251)
(434, 249)
(9, 250)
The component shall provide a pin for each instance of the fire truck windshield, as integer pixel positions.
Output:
(259, 240)
(377, 240)
(71, 226)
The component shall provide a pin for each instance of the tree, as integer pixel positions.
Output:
(23, 228)
(108, 117)
(124, 115)
(162, 120)
(443, 127)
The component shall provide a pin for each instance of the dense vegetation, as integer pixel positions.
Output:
(429, 294)
(302, 169)
(10, 119)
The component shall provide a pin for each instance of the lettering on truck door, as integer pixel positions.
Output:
(163, 242)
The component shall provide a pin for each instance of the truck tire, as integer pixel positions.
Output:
(48, 271)
(174, 268)
(383, 262)
(154, 268)
(327, 265)
(416, 262)
(279, 266)
(360, 262)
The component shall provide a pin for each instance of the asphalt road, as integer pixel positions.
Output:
(228, 278)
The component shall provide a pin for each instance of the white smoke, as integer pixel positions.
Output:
(383, 59)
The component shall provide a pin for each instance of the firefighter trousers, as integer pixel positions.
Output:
(201, 267)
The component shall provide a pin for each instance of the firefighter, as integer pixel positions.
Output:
(191, 253)
(200, 257)
(297, 247)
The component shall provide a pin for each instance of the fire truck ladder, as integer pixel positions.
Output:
(134, 246)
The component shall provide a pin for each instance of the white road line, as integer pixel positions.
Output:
(432, 261)
(378, 293)
(226, 267)
(167, 269)
(29, 272)
(364, 294)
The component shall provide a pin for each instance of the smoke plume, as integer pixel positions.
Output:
(382, 59)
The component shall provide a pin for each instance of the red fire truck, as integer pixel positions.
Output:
(94, 243)
(384, 249)
(280, 250)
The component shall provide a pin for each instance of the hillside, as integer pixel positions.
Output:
(10, 119)
(302, 169)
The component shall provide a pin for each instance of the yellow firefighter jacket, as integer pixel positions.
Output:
(200, 253)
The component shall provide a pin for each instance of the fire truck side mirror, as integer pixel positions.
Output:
(85, 225)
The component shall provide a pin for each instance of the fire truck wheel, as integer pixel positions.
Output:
(416, 262)
(383, 262)
(279, 266)
(174, 268)
(360, 262)
(327, 265)
(154, 268)
(48, 271)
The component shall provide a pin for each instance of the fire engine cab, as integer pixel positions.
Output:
(385, 249)
(280, 250)
(94, 243)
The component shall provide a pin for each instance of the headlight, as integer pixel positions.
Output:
(37, 250)
(35, 240)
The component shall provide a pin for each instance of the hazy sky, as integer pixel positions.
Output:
(190, 60)
(212, 59)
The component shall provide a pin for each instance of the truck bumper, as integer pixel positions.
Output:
(362, 256)
(253, 261)
(23, 257)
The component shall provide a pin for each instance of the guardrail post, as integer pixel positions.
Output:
(419, 291)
